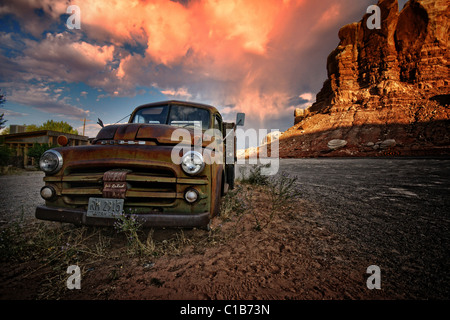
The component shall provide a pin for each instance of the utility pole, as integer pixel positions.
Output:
(84, 124)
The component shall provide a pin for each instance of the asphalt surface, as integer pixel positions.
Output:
(19, 195)
(392, 212)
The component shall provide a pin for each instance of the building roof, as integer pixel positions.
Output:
(40, 133)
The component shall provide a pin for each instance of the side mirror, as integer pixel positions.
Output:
(240, 119)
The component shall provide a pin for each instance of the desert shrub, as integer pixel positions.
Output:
(255, 177)
(282, 190)
(233, 204)
(281, 193)
(131, 227)
(277, 196)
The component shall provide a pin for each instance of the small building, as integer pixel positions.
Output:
(21, 142)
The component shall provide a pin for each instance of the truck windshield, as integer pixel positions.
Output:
(175, 115)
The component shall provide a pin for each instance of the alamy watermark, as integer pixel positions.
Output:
(74, 21)
(374, 20)
(210, 144)
(74, 281)
(374, 281)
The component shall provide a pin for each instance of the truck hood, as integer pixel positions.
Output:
(160, 133)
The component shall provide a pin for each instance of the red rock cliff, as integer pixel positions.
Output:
(388, 84)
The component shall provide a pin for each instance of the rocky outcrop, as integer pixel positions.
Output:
(387, 84)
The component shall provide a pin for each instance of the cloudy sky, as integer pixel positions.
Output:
(261, 57)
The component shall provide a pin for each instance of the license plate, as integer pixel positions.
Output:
(105, 208)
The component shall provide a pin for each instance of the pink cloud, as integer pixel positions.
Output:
(329, 16)
(241, 55)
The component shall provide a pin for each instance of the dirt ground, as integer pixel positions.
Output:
(279, 262)
(289, 257)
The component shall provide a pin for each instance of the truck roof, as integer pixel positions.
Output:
(177, 102)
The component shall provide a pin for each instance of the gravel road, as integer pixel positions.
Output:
(20, 194)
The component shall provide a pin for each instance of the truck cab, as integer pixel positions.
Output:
(168, 166)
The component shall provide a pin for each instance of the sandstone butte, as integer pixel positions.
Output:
(387, 91)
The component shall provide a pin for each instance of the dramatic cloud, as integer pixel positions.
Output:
(255, 56)
(35, 16)
(43, 98)
(59, 58)
(181, 93)
(10, 113)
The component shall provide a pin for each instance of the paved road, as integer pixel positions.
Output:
(394, 212)
(19, 195)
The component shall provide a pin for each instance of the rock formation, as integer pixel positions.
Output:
(389, 84)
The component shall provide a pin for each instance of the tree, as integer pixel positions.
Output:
(4, 132)
(2, 121)
(36, 152)
(5, 155)
(31, 128)
(5, 152)
(60, 126)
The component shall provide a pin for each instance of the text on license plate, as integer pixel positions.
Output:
(104, 208)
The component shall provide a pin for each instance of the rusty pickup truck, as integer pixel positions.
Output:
(168, 166)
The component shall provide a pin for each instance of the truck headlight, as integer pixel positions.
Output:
(51, 161)
(192, 163)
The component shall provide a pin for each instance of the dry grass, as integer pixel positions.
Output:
(44, 250)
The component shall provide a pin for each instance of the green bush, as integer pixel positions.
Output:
(36, 152)
(5, 155)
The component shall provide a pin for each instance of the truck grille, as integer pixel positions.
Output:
(146, 187)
